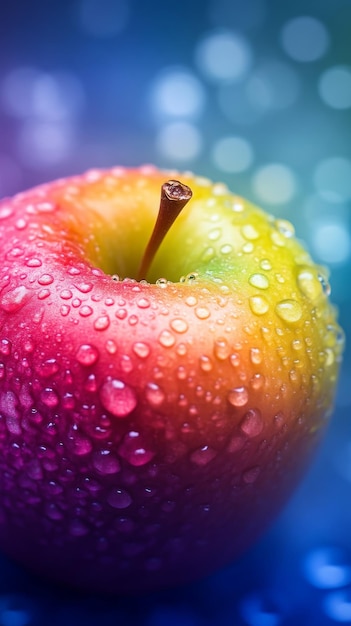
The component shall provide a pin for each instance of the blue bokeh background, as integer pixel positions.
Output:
(256, 94)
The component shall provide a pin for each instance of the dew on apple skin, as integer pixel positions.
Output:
(87, 355)
(179, 325)
(166, 339)
(221, 349)
(84, 287)
(325, 284)
(102, 322)
(64, 310)
(141, 349)
(49, 397)
(85, 310)
(134, 450)
(119, 498)
(252, 423)
(238, 396)
(105, 462)
(265, 264)
(202, 456)
(154, 394)
(45, 279)
(5, 347)
(202, 312)
(260, 281)
(143, 303)
(5, 212)
(289, 310)
(13, 300)
(111, 346)
(251, 474)
(48, 368)
(191, 301)
(117, 397)
(259, 305)
(33, 262)
(255, 356)
(133, 320)
(121, 314)
(162, 282)
(205, 363)
(249, 232)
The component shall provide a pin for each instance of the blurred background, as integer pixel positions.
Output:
(256, 94)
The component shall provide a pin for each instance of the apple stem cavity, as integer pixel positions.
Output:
(174, 196)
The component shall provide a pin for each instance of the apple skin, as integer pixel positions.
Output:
(149, 431)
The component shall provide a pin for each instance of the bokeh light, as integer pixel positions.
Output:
(335, 87)
(274, 183)
(305, 39)
(232, 154)
(179, 142)
(177, 93)
(103, 18)
(224, 56)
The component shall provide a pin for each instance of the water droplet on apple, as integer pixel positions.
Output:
(191, 301)
(80, 445)
(289, 310)
(238, 396)
(265, 264)
(251, 474)
(141, 349)
(5, 212)
(215, 234)
(203, 456)
(221, 349)
(46, 207)
(205, 363)
(111, 346)
(133, 320)
(257, 381)
(166, 339)
(48, 368)
(260, 281)
(278, 239)
(249, 232)
(84, 287)
(13, 300)
(119, 498)
(5, 347)
(325, 284)
(85, 310)
(143, 303)
(309, 284)
(154, 394)
(49, 397)
(117, 397)
(45, 279)
(258, 305)
(179, 325)
(134, 450)
(255, 356)
(87, 354)
(162, 282)
(105, 462)
(202, 312)
(33, 262)
(43, 293)
(285, 228)
(64, 310)
(121, 314)
(252, 423)
(102, 322)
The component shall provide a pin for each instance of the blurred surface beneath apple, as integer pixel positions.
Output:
(256, 94)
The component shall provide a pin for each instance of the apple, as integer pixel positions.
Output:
(161, 392)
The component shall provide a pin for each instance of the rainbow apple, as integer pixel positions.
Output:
(158, 399)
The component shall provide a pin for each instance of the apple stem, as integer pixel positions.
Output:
(174, 196)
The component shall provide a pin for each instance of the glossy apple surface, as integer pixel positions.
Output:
(150, 430)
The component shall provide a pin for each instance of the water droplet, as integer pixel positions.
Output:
(215, 234)
(278, 239)
(166, 339)
(117, 397)
(105, 462)
(111, 346)
(134, 449)
(249, 232)
(202, 456)
(265, 265)
(80, 445)
(257, 381)
(33, 262)
(48, 368)
(238, 396)
(46, 207)
(255, 356)
(289, 310)
(85, 310)
(252, 423)
(202, 312)
(325, 284)
(133, 319)
(87, 355)
(49, 397)
(179, 325)
(205, 363)
(119, 498)
(84, 287)
(121, 314)
(141, 349)
(45, 279)
(309, 284)
(221, 349)
(5, 211)
(64, 310)
(260, 281)
(102, 322)
(76, 302)
(143, 303)
(162, 282)
(285, 228)
(43, 293)
(154, 394)
(251, 474)
(258, 305)
(191, 301)
(13, 300)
